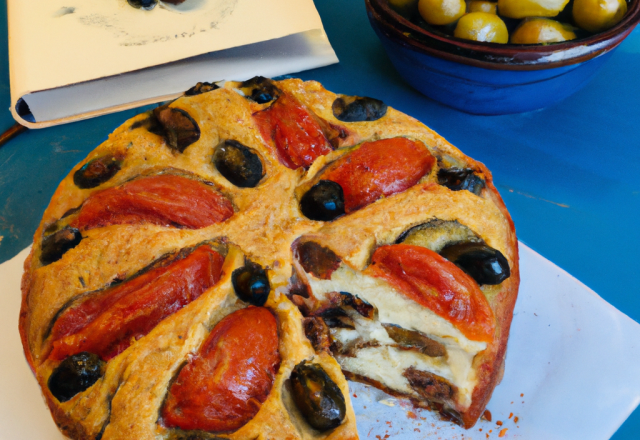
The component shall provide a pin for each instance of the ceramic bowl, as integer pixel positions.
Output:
(489, 78)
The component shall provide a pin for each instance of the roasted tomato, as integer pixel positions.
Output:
(296, 132)
(166, 199)
(436, 283)
(224, 385)
(105, 323)
(379, 168)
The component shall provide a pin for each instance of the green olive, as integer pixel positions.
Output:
(531, 8)
(437, 234)
(541, 30)
(598, 15)
(482, 6)
(482, 26)
(441, 12)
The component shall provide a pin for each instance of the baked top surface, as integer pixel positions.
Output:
(266, 221)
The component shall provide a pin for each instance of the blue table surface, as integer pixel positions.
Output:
(569, 174)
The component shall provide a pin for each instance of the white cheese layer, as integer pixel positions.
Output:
(386, 364)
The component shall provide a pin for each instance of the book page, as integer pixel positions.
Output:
(54, 43)
(293, 53)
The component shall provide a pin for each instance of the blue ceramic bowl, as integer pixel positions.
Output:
(493, 79)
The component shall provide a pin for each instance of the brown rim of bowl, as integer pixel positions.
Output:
(500, 56)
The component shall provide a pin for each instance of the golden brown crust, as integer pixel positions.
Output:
(124, 402)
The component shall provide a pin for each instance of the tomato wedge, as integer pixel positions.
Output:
(379, 168)
(106, 322)
(434, 282)
(297, 134)
(225, 384)
(164, 199)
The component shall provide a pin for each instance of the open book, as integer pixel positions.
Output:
(100, 56)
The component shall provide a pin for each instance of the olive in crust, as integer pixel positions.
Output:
(219, 266)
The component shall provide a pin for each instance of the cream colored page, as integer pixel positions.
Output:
(59, 42)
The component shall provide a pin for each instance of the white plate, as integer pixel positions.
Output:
(571, 371)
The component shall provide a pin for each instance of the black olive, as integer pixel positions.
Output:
(335, 317)
(358, 109)
(317, 259)
(324, 201)
(260, 89)
(449, 413)
(317, 332)
(180, 129)
(429, 386)
(97, 171)
(200, 88)
(240, 165)
(75, 374)
(151, 123)
(143, 4)
(251, 284)
(178, 434)
(55, 245)
(483, 263)
(358, 304)
(412, 339)
(457, 179)
(317, 396)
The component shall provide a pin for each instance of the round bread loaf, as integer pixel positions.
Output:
(218, 265)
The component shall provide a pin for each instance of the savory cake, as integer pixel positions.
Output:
(218, 265)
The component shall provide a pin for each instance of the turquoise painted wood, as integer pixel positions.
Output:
(568, 173)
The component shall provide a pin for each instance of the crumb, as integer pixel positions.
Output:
(480, 429)
(355, 395)
(486, 415)
(503, 432)
(516, 420)
(510, 415)
(499, 423)
(522, 395)
(412, 415)
(416, 430)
